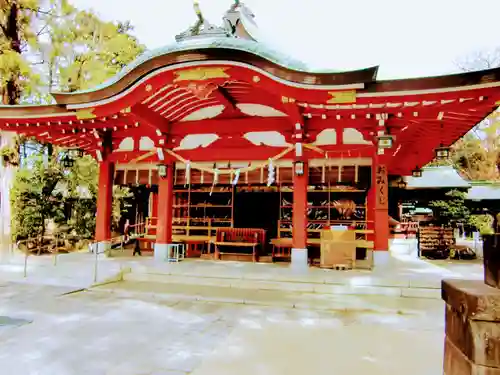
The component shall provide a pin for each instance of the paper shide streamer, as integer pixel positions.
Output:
(236, 177)
(188, 173)
(216, 180)
(270, 173)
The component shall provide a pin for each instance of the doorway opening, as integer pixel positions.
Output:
(258, 210)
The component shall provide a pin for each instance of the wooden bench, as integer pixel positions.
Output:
(239, 238)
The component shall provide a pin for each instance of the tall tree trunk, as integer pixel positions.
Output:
(12, 89)
(10, 95)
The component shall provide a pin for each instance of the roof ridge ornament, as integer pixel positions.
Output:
(237, 13)
(202, 28)
(236, 4)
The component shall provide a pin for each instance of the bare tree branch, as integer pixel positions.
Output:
(479, 60)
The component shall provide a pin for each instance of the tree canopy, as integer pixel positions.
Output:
(477, 155)
(50, 45)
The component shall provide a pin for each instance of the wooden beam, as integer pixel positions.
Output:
(151, 118)
(225, 98)
(294, 113)
(246, 154)
(236, 127)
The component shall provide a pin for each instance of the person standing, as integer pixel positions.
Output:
(137, 248)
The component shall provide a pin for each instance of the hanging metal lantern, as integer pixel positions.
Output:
(417, 172)
(162, 170)
(299, 168)
(67, 162)
(402, 184)
(442, 153)
(385, 141)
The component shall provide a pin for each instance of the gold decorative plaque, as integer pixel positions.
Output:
(286, 99)
(201, 74)
(85, 114)
(342, 97)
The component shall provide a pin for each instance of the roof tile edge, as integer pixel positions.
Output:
(193, 45)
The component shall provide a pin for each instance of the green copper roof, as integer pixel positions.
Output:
(437, 177)
(484, 191)
(245, 45)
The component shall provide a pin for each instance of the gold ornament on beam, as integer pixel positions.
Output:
(286, 99)
(342, 97)
(85, 114)
(201, 91)
(201, 74)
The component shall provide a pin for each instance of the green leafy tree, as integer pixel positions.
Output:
(451, 210)
(82, 191)
(36, 197)
(16, 38)
(482, 223)
(82, 51)
(72, 50)
(477, 155)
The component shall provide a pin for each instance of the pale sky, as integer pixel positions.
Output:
(406, 38)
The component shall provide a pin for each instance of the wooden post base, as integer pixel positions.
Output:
(472, 344)
(491, 255)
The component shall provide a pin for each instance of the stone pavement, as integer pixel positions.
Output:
(52, 324)
(407, 275)
(96, 333)
(403, 275)
(75, 270)
(269, 297)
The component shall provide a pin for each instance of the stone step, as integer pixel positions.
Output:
(348, 286)
(287, 299)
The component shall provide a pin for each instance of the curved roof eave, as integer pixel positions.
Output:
(460, 79)
(203, 49)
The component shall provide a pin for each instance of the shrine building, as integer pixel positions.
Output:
(233, 142)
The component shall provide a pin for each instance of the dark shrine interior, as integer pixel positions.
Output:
(257, 210)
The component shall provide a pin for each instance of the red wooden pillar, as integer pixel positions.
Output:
(378, 201)
(164, 222)
(104, 203)
(154, 205)
(299, 219)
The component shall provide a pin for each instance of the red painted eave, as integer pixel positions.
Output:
(421, 113)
